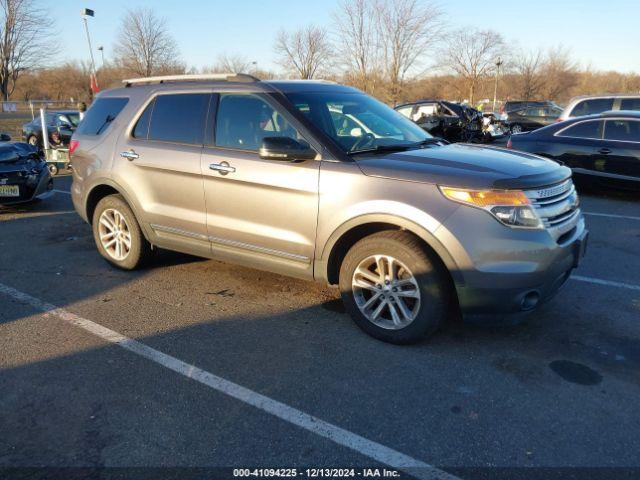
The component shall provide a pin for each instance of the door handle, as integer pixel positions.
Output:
(129, 155)
(604, 151)
(222, 167)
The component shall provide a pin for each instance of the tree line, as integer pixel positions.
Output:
(397, 50)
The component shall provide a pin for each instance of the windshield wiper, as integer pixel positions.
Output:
(399, 147)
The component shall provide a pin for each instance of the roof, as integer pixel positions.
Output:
(609, 114)
(606, 95)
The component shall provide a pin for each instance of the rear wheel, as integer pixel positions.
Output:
(393, 289)
(118, 235)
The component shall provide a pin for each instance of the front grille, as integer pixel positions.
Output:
(558, 207)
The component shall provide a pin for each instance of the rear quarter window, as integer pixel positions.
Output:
(100, 115)
(592, 130)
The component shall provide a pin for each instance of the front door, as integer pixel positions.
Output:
(262, 213)
(159, 160)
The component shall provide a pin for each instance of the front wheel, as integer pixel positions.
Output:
(118, 235)
(516, 128)
(393, 289)
(53, 169)
(32, 140)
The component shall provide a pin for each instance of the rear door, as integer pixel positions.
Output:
(159, 160)
(259, 212)
(576, 145)
(630, 103)
(619, 154)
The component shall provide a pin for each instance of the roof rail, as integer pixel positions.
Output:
(224, 77)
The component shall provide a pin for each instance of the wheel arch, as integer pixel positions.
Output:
(103, 189)
(345, 236)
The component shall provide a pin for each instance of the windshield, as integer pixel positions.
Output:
(358, 122)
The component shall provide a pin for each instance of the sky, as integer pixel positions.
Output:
(604, 34)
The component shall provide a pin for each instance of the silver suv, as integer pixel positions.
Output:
(322, 182)
(591, 104)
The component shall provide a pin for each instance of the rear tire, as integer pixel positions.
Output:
(117, 234)
(411, 277)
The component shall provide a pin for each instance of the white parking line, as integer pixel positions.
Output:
(608, 283)
(61, 191)
(611, 215)
(368, 448)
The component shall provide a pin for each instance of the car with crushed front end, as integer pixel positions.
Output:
(263, 174)
(24, 176)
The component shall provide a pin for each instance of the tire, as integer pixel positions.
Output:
(430, 284)
(32, 140)
(53, 169)
(126, 257)
(516, 128)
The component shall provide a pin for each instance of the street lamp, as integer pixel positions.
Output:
(101, 50)
(499, 63)
(87, 12)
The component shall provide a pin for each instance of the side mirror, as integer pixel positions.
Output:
(285, 149)
(5, 137)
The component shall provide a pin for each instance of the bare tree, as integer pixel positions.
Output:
(234, 63)
(472, 54)
(25, 33)
(407, 29)
(305, 52)
(561, 73)
(145, 46)
(531, 79)
(355, 27)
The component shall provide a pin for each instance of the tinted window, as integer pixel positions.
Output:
(244, 120)
(624, 130)
(179, 118)
(141, 130)
(589, 107)
(102, 112)
(584, 130)
(630, 104)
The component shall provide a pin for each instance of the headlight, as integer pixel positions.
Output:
(511, 207)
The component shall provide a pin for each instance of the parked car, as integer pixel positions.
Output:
(24, 176)
(451, 121)
(604, 146)
(593, 104)
(62, 121)
(255, 173)
(530, 118)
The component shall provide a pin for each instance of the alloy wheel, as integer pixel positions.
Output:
(386, 292)
(115, 235)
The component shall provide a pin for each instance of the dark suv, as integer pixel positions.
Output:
(271, 175)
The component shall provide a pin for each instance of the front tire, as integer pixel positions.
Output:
(53, 169)
(516, 128)
(33, 141)
(393, 288)
(117, 234)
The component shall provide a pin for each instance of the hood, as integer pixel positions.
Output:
(468, 166)
(14, 152)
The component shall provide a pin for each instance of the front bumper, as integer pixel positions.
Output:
(505, 270)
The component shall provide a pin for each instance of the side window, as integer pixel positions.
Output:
(622, 130)
(102, 112)
(141, 130)
(630, 104)
(406, 111)
(179, 118)
(244, 120)
(591, 129)
(590, 107)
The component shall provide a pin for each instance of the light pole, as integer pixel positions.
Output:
(101, 50)
(87, 12)
(499, 63)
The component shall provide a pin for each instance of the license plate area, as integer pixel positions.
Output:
(9, 191)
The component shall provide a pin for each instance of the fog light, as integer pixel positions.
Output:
(530, 300)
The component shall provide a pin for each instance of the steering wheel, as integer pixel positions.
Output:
(365, 140)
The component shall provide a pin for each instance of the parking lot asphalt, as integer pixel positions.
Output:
(560, 389)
